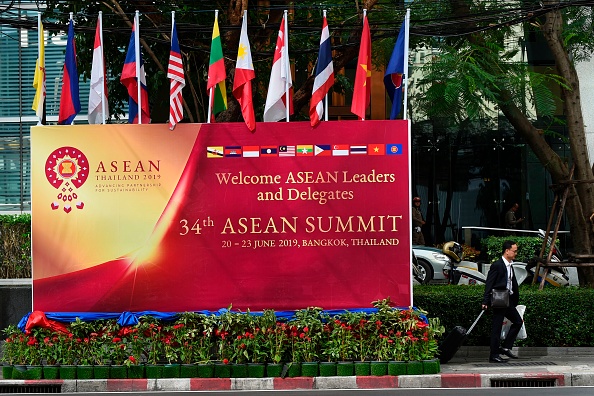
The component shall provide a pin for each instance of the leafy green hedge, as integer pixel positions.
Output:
(15, 249)
(528, 247)
(554, 317)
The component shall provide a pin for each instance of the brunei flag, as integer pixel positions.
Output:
(216, 72)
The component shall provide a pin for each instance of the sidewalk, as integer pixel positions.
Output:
(536, 367)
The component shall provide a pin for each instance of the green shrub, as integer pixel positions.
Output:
(554, 317)
(15, 249)
(528, 247)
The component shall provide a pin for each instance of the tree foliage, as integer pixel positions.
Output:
(194, 22)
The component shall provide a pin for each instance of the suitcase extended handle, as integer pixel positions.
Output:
(475, 322)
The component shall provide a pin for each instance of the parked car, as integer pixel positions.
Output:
(430, 262)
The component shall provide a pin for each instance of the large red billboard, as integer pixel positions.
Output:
(136, 217)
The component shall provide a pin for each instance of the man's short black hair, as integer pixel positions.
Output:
(507, 245)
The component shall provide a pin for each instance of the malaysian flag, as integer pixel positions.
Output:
(286, 151)
(175, 73)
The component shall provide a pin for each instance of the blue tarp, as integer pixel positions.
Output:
(132, 318)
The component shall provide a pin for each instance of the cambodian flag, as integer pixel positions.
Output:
(70, 100)
(130, 81)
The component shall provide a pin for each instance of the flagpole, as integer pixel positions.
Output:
(137, 55)
(288, 64)
(405, 77)
(325, 97)
(39, 38)
(102, 69)
(211, 91)
(71, 19)
(368, 60)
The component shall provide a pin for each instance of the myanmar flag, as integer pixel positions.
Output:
(216, 72)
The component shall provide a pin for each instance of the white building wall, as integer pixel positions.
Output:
(585, 72)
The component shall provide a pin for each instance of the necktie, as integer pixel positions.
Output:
(509, 279)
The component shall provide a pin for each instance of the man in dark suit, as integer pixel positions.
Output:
(501, 276)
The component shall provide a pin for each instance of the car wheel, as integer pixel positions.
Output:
(424, 273)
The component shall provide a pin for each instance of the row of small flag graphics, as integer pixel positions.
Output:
(303, 150)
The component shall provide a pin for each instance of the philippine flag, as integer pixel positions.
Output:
(324, 77)
(130, 81)
(69, 100)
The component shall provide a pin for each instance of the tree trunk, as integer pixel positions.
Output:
(580, 202)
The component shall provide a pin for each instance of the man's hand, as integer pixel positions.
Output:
(484, 307)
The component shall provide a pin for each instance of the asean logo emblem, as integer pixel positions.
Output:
(67, 169)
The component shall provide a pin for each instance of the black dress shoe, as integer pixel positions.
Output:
(508, 353)
(497, 359)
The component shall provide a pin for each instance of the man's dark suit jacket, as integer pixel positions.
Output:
(497, 279)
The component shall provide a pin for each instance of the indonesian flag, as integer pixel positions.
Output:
(244, 74)
(280, 80)
(98, 91)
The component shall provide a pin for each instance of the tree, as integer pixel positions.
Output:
(479, 71)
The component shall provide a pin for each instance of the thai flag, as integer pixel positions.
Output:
(69, 100)
(324, 77)
(130, 81)
(175, 73)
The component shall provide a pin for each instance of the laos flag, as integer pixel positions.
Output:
(130, 80)
(69, 100)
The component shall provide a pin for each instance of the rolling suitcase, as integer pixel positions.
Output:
(450, 345)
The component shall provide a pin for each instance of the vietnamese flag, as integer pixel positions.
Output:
(362, 87)
(216, 72)
(376, 149)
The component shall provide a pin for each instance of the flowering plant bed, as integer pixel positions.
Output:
(310, 335)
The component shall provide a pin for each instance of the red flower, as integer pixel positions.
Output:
(302, 335)
(116, 339)
(225, 361)
(306, 329)
(9, 340)
(132, 359)
(32, 341)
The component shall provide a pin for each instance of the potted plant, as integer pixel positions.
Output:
(276, 343)
(50, 352)
(13, 354)
(204, 346)
(150, 329)
(362, 333)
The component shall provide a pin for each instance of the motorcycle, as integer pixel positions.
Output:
(557, 276)
(462, 272)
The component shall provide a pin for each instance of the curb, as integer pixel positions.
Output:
(467, 380)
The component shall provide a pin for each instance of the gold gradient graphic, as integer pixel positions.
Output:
(131, 180)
